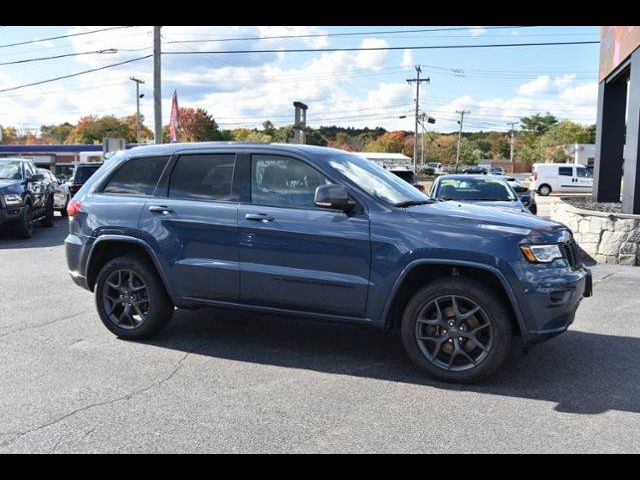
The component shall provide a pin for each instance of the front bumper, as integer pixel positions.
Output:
(551, 299)
(10, 215)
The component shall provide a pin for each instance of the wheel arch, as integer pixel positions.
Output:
(421, 272)
(108, 247)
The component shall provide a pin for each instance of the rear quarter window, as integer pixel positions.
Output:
(138, 176)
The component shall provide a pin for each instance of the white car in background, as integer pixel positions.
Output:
(61, 195)
(561, 178)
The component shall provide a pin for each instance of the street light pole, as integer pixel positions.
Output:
(461, 121)
(157, 85)
(138, 122)
(417, 80)
(512, 139)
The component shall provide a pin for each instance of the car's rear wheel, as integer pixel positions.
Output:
(457, 329)
(24, 228)
(544, 190)
(47, 221)
(131, 299)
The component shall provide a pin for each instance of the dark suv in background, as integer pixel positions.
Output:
(81, 173)
(321, 234)
(25, 197)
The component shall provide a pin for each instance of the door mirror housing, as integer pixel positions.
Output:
(335, 197)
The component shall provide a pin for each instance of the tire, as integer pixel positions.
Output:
(491, 324)
(544, 190)
(24, 228)
(47, 221)
(63, 212)
(157, 311)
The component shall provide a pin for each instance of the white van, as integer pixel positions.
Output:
(561, 178)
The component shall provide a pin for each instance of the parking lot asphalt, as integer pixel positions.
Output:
(219, 381)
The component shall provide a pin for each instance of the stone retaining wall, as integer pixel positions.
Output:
(605, 237)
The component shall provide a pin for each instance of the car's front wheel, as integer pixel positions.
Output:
(457, 329)
(544, 190)
(131, 299)
(24, 228)
(47, 221)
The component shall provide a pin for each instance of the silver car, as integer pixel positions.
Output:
(61, 195)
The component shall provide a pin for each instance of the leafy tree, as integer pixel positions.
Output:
(145, 132)
(196, 125)
(538, 123)
(390, 142)
(92, 129)
(246, 135)
(55, 133)
(9, 135)
(268, 127)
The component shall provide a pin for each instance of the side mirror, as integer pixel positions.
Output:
(525, 199)
(333, 196)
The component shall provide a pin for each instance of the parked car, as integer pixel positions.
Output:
(408, 176)
(476, 170)
(60, 191)
(322, 234)
(81, 173)
(561, 178)
(25, 197)
(484, 190)
(527, 196)
(496, 171)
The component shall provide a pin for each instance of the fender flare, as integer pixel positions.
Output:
(456, 263)
(119, 238)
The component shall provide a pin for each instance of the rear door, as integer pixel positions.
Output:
(293, 254)
(193, 224)
(566, 176)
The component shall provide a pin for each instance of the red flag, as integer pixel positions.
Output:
(174, 121)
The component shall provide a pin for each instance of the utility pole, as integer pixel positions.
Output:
(512, 139)
(157, 85)
(138, 122)
(415, 137)
(461, 121)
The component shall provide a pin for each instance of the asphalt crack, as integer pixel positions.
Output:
(606, 277)
(44, 324)
(18, 435)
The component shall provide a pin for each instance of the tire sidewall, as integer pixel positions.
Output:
(160, 310)
(25, 226)
(498, 315)
(544, 188)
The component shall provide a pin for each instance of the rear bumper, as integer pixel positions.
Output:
(76, 249)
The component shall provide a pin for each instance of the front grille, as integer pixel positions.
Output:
(571, 253)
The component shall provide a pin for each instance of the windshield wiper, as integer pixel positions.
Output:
(410, 203)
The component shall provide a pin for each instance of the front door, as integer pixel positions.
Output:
(584, 179)
(294, 255)
(195, 227)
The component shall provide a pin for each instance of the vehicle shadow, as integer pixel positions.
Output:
(42, 236)
(583, 373)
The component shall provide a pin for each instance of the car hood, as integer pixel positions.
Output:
(507, 221)
(9, 186)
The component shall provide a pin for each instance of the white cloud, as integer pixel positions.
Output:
(564, 80)
(373, 59)
(407, 59)
(586, 94)
(538, 86)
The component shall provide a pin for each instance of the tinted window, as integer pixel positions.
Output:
(137, 176)
(84, 173)
(565, 171)
(284, 182)
(204, 177)
(407, 176)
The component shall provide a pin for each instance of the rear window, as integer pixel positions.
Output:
(84, 173)
(138, 176)
(204, 177)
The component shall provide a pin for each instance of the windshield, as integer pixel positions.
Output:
(375, 180)
(11, 170)
(474, 189)
(82, 174)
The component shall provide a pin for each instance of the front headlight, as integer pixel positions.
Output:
(13, 200)
(541, 253)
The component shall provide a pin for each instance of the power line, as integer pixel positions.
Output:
(62, 36)
(74, 74)
(337, 34)
(29, 60)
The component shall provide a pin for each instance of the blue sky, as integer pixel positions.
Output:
(497, 85)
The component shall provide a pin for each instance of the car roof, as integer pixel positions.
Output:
(466, 176)
(171, 148)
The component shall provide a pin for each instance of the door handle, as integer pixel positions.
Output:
(258, 217)
(160, 209)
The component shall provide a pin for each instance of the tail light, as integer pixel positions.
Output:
(73, 208)
(535, 176)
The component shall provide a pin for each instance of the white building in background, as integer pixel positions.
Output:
(583, 153)
(388, 160)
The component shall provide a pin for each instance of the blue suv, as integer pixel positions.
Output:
(322, 234)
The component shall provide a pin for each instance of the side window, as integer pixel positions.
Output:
(204, 177)
(137, 176)
(284, 182)
(583, 173)
(565, 171)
